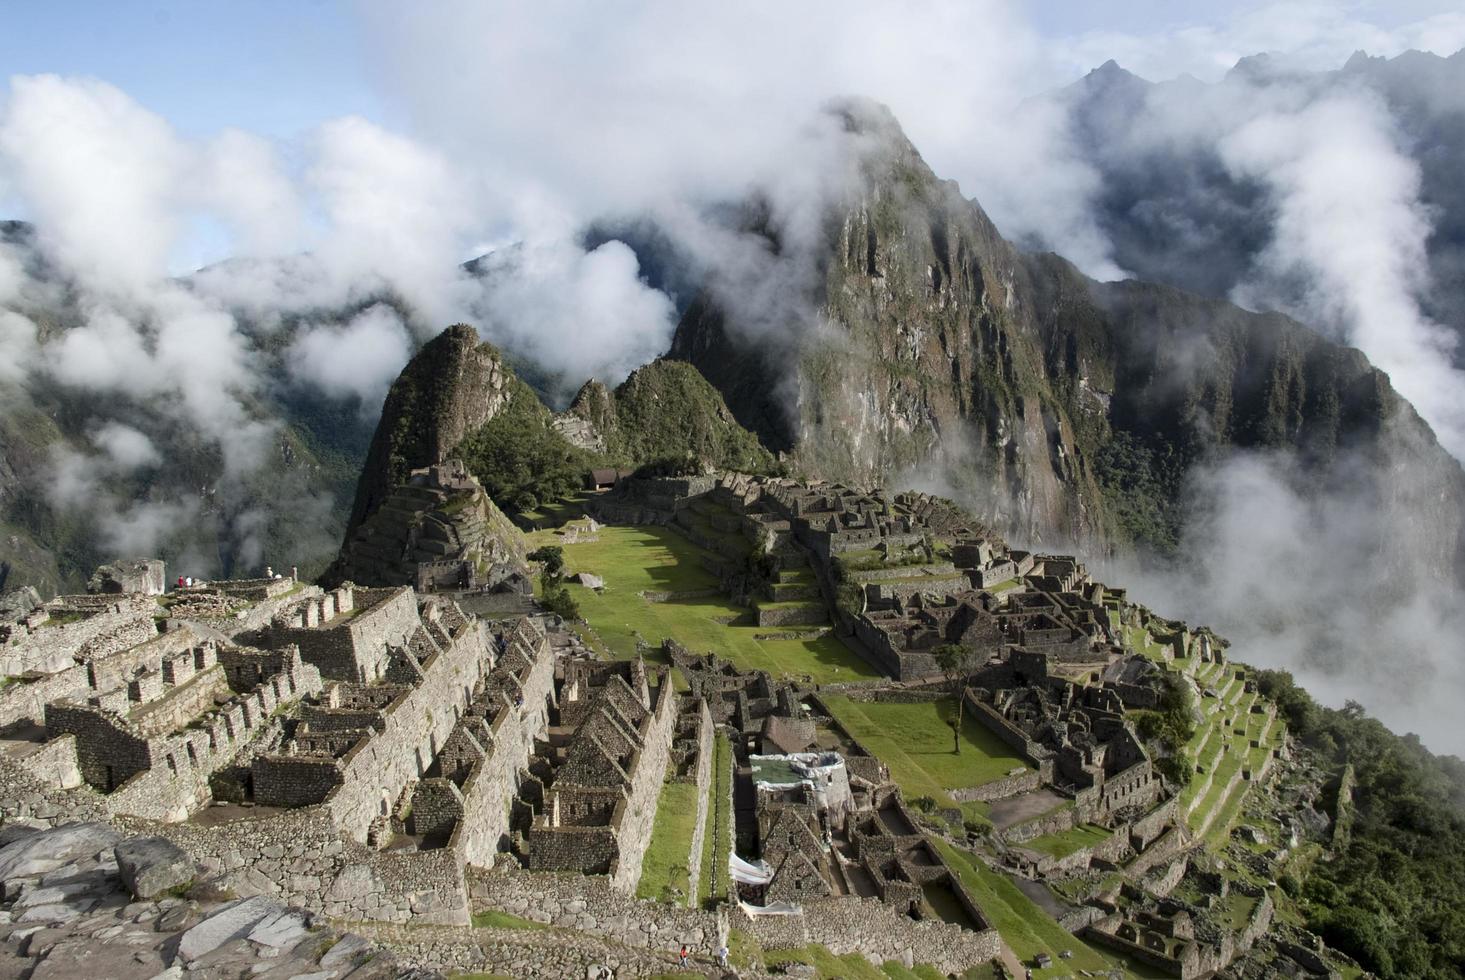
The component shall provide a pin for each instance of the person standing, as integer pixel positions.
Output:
(722, 956)
(682, 957)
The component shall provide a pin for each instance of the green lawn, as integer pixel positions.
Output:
(914, 740)
(717, 836)
(664, 869)
(1026, 928)
(494, 919)
(633, 560)
(1062, 844)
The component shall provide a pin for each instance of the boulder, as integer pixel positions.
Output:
(588, 580)
(233, 921)
(47, 850)
(151, 866)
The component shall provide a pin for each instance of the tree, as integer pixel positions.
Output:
(553, 557)
(956, 661)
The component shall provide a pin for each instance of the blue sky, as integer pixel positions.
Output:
(278, 68)
(272, 67)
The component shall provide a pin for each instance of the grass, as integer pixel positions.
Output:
(1025, 927)
(494, 919)
(717, 837)
(633, 560)
(664, 869)
(915, 741)
(1066, 842)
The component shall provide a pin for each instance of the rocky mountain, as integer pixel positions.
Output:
(1175, 211)
(1068, 409)
(451, 387)
(662, 410)
(85, 476)
(460, 398)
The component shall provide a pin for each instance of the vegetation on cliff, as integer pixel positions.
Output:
(1394, 895)
(668, 410)
(519, 457)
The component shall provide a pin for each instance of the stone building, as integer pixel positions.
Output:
(594, 783)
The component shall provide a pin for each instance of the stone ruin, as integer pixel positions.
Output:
(596, 778)
(139, 575)
(438, 532)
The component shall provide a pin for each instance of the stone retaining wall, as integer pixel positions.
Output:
(591, 903)
(1000, 789)
(874, 930)
(638, 811)
(299, 857)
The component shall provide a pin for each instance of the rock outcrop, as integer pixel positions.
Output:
(453, 385)
(72, 909)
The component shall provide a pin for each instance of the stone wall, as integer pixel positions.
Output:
(1014, 737)
(811, 613)
(415, 726)
(25, 797)
(175, 780)
(1000, 789)
(633, 830)
(874, 930)
(355, 647)
(299, 857)
(592, 905)
(110, 624)
(489, 790)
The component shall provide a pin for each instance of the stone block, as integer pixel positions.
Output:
(229, 923)
(151, 866)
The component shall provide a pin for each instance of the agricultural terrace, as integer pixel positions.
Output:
(656, 587)
(1232, 742)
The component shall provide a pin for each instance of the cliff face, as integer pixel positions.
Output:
(452, 387)
(1069, 410)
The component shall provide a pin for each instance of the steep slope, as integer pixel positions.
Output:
(73, 496)
(1176, 212)
(665, 409)
(451, 387)
(950, 356)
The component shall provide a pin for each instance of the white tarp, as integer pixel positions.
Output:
(777, 908)
(749, 872)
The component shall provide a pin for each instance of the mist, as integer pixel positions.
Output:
(1303, 581)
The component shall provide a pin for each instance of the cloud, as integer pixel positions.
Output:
(359, 358)
(1350, 223)
(1310, 581)
(586, 313)
(128, 448)
(18, 341)
(1310, 35)
(99, 174)
(667, 105)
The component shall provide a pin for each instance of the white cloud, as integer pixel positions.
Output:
(1350, 220)
(359, 358)
(1306, 580)
(1310, 35)
(99, 174)
(18, 342)
(586, 313)
(128, 448)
